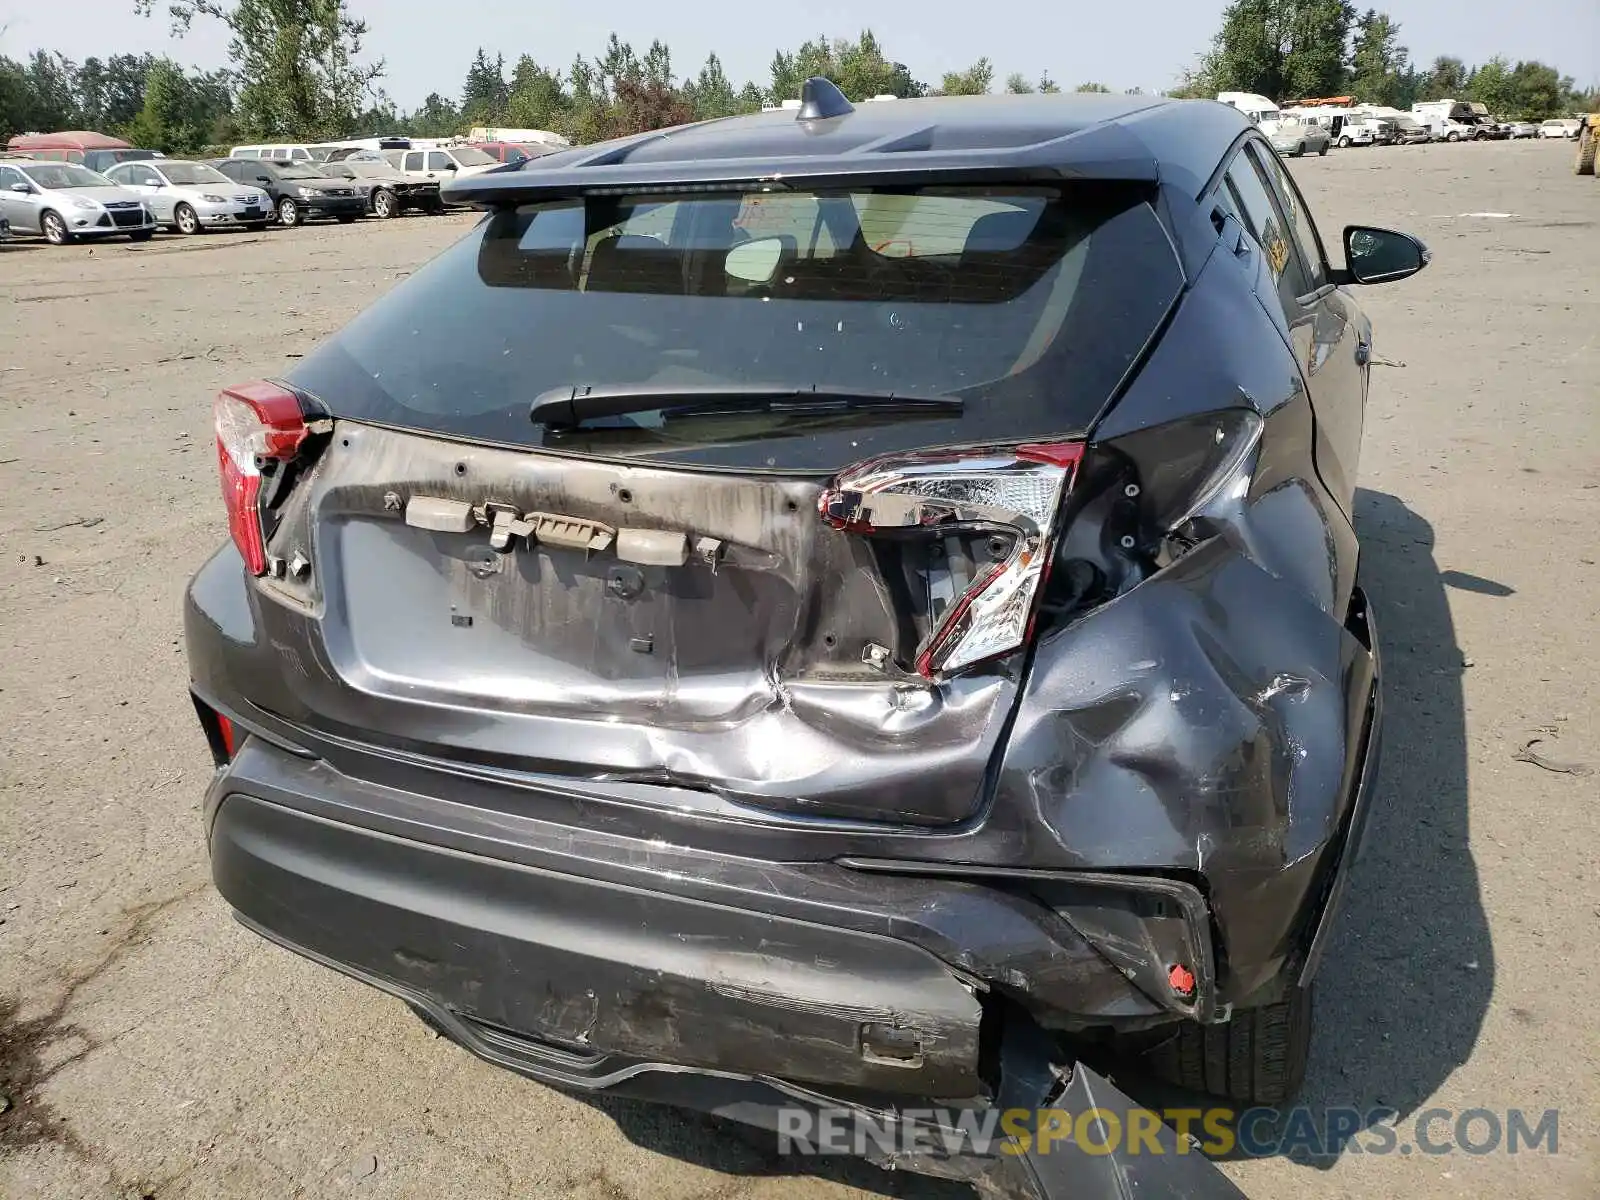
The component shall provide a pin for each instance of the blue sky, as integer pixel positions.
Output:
(428, 46)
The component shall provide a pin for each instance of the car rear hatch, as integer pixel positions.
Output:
(748, 492)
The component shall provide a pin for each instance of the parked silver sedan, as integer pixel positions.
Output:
(64, 202)
(192, 197)
(1295, 139)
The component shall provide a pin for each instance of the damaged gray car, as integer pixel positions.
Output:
(838, 607)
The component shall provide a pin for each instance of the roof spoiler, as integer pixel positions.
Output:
(1100, 153)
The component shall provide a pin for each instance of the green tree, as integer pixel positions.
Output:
(974, 81)
(51, 91)
(1539, 92)
(485, 94)
(1491, 86)
(14, 97)
(711, 92)
(1379, 66)
(859, 68)
(1319, 32)
(1017, 84)
(296, 61)
(1445, 80)
(1247, 53)
(1047, 85)
(1282, 49)
(1092, 87)
(538, 98)
(181, 113)
(436, 118)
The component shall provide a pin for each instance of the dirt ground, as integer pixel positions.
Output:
(151, 1047)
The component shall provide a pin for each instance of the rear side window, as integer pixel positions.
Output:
(1297, 217)
(1030, 304)
(1261, 215)
(438, 161)
(413, 161)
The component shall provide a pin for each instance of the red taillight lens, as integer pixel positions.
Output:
(1017, 489)
(256, 423)
(230, 741)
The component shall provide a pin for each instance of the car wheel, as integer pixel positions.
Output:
(141, 235)
(288, 213)
(1257, 1058)
(1344, 143)
(55, 229)
(1322, 152)
(1300, 150)
(384, 205)
(188, 221)
(1452, 136)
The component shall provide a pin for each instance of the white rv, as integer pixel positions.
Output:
(1448, 120)
(522, 137)
(1259, 109)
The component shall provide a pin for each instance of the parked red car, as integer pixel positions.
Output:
(514, 152)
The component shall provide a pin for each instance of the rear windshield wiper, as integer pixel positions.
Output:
(569, 407)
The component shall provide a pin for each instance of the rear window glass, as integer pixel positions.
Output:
(1028, 303)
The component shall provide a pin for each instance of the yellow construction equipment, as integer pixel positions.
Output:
(1588, 140)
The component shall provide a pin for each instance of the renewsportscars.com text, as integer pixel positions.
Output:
(1214, 1132)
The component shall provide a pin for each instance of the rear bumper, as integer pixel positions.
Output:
(595, 982)
(592, 986)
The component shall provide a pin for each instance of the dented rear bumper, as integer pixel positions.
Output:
(591, 984)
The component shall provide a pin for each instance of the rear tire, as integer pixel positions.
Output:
(1324, 151)
(1587, 142)
(1452, 136)
(1344, 143)
(1257, 1058)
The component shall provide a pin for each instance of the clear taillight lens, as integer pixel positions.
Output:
(1014, 492)
(256, 423)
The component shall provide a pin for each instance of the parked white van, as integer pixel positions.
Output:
(1259, 109)
(279, 151)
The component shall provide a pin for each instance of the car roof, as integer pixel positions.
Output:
(1044, 136)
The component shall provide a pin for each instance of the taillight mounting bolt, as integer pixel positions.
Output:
(1131, 490)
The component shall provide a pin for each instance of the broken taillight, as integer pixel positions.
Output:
(1012, 492)
(257, 424)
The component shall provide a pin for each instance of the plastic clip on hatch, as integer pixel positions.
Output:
(1016, 488)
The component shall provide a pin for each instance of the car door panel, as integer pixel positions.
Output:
(13, 207)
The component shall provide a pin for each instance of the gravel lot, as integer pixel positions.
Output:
(150, 1047)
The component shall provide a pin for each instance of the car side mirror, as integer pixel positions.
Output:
(1377, 255)
(21, 187)
(755, 261)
